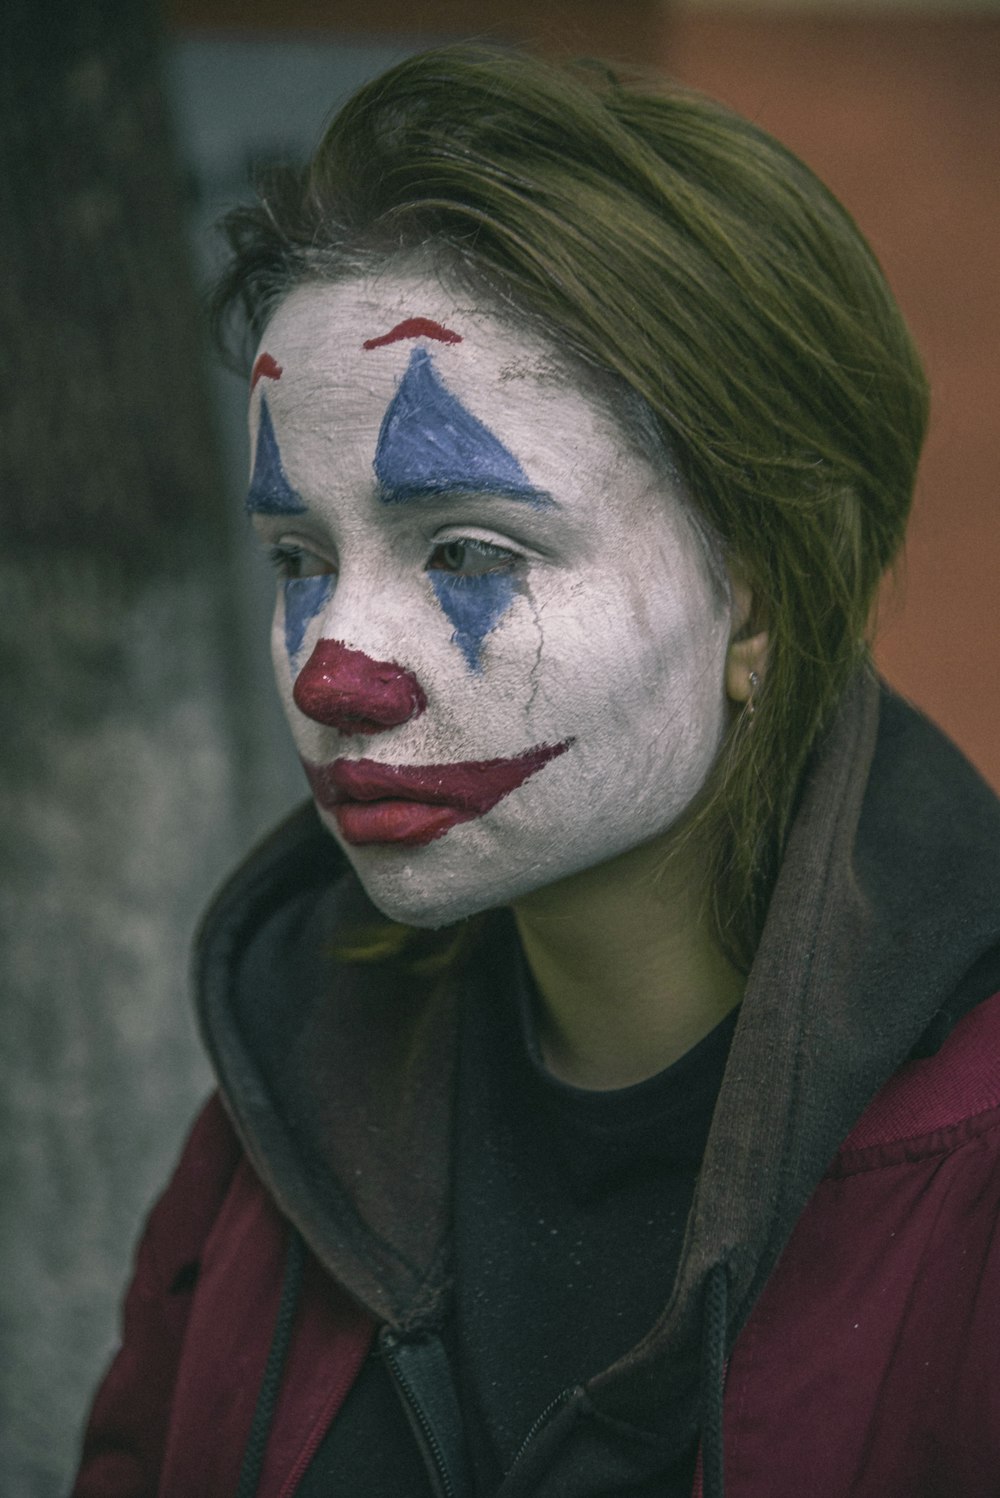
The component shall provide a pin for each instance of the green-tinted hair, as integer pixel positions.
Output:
(664, 239)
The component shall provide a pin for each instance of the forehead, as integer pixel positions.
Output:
(334, 357)
(370, 325)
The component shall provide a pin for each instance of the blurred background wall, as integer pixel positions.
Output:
(145, 749)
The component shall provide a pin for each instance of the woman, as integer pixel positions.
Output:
(607, 1106)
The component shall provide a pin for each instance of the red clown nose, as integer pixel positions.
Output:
(346, 689)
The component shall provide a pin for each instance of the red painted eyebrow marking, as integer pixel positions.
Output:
(414, 327)
(266, 367)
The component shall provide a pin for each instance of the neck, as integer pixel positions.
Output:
(629, 972)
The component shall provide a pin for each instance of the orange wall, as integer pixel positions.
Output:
(901, 117)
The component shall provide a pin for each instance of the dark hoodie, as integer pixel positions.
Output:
(882, 938)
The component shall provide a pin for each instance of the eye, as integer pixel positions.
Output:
(297, 561)
(471, 558)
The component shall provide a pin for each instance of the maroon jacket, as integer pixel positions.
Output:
(856, 1216)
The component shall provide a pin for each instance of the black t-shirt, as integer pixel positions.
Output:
(569, 1212)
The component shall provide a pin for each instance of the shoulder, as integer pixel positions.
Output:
(127, 1429)
(935, 1103)
(186, 1211)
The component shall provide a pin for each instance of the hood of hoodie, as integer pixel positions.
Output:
(883, 928)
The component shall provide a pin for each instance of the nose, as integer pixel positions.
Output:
(346, 689)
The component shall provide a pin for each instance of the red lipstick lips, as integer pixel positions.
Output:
(414, 804)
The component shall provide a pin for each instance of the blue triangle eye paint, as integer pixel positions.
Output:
(475, 605)
(429, 444)
(304, 598)
(270, 493)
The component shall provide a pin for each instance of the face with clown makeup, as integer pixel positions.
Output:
(499, 638)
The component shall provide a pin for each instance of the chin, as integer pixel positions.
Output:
(412, 901)
(422, 918)
(443, 882)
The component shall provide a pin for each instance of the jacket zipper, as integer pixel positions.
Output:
(542, 1419)
(438, 1468)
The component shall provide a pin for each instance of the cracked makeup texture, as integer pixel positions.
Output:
(607, 658)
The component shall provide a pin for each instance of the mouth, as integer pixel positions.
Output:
(413, 804)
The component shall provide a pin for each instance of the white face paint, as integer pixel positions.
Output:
(504, 635)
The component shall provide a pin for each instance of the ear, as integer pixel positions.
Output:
(746, 659)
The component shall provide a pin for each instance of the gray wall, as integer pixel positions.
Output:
(142, 778)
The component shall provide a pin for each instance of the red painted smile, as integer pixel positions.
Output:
(414, 804)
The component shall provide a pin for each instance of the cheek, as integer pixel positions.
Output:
(581, 645)
(681, 613)
(284, 674)
(296, 625)
(473, 606)
(303, 598)
(627, 666)
(299, 603)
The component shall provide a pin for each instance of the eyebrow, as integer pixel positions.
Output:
(455, 488)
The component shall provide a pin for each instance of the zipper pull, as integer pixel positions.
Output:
(422, 1375)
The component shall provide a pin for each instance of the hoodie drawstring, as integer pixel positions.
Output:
(715, 1315)
(267, 1399)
